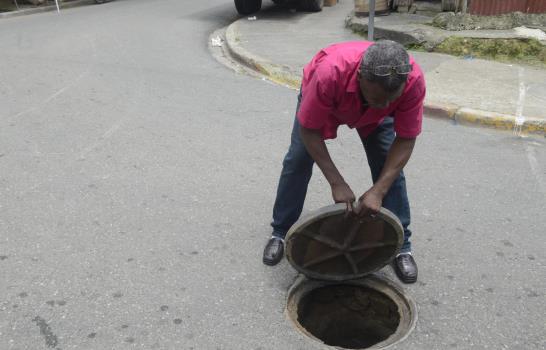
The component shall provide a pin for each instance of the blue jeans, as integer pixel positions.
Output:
(297, 170)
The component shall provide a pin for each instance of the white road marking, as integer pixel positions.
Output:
(104, 136)
(535, 168)
(50, 97)
(520, 119)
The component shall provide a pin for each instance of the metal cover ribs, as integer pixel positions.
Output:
(329, 245)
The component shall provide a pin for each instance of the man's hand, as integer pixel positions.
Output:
(342, 193)
(369, 203)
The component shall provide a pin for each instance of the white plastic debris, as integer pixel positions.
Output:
(253, 18)
(216, 42)
(530, 33)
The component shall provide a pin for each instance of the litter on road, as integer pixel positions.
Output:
(216, 41)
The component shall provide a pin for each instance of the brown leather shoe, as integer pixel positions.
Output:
(274, 251)
(405, 268)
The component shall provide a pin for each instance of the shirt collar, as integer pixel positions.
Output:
(353, 85)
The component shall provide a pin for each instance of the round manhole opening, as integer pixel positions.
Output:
(371, 313)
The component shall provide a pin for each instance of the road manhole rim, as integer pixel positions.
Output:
(406, 306)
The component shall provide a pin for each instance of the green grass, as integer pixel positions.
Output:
(7, 5)
(416, 47)
(528, 51)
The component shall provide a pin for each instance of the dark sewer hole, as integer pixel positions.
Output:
(348, 316)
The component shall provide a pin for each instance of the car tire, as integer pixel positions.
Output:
(310, 5)
(246, 7)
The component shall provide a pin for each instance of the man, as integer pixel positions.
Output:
(377, 89)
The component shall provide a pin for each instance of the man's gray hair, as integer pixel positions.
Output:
(384, 53)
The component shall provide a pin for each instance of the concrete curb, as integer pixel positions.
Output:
(410, 36)
(454, 113)
(280, 74)
(476, 117)
(420, 34)
(31, 11)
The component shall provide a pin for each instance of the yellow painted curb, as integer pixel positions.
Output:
(500, 121)
(441, 111)
(278, 74)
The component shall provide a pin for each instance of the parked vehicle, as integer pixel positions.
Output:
(246, 7)
(101, 1)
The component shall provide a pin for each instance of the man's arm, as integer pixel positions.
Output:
(341, 192)
(398, 156)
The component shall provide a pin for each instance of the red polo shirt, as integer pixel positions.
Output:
(331, 95)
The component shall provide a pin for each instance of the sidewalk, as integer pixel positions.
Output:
(468, 91)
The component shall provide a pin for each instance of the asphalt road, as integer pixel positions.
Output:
(137, 176)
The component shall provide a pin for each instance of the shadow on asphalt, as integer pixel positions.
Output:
(227, 14)
(280, 12)
(223, 15)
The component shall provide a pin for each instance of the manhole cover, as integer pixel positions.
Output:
(330, 245)
(370, 313)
